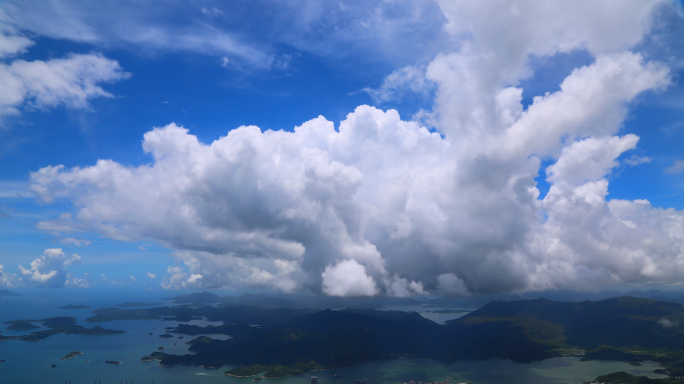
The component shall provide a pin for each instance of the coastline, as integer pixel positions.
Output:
(312, 370)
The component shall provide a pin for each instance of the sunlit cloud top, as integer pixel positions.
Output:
(480, 159)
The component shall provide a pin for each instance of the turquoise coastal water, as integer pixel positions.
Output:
(30, 362)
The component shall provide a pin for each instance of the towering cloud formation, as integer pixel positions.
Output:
(382, 205)
(50, 270)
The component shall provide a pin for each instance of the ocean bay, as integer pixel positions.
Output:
(31, 361)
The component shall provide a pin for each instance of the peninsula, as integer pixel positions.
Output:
(22, 326)
(625, 328)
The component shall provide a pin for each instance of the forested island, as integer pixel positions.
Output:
(55, 325)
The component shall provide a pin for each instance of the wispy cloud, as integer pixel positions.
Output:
(213, 11)
(69, 82)
(75, 242)
(635, 160)
(372, 30)
(676, 168)
(15, 189)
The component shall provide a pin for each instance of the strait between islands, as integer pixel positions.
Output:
(290, 341)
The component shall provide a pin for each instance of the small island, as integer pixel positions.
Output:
(71, 355)
(165, 336)
(79, 306)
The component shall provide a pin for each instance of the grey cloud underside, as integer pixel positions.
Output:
(383, 205)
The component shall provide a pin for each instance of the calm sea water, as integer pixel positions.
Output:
(29, 362)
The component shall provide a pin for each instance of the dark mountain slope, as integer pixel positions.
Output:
(330, 338)
(618, 322)
(625, 328)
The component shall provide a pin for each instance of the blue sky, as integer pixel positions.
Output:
(501, 192)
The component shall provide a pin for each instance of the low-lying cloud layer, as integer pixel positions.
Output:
(382, 205)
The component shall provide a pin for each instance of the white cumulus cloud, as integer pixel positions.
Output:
(50, 270)
(9, 280)
(589, 159)
(75, 282)
(450, 285)
(348, 278)
(381, 205)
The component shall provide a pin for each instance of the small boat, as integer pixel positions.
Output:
(257, 379)
(1, 360)
(337, 375)
(112, 362)
(53, 365)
